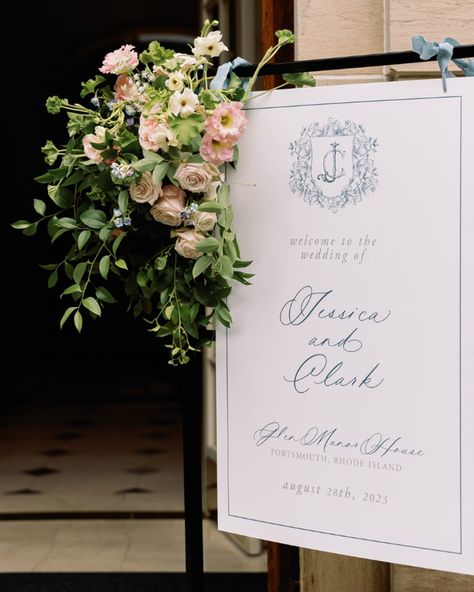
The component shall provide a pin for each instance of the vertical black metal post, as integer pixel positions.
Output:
(192, 457)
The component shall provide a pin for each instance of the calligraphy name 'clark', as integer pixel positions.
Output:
(316, 367)
(376, 444)
(307, 303)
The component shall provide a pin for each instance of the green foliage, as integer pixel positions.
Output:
(90, 86)
(53, 105)
(113, 249)
(300, 79)
(156, 54)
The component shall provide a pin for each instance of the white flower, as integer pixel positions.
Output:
(186, 61)
(183, 103)
(210, 45)
(175, 81)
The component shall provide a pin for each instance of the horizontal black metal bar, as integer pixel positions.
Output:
(345, 62)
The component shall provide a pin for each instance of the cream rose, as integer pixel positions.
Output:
(204, 221)
(168, 208)
(186, 243)
(145, 190)
(195, 177)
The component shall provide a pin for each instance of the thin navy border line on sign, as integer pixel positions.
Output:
(460, 346)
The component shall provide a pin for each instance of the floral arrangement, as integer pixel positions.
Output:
(139, 200)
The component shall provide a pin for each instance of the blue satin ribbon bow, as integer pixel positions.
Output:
(444, 53)
(221, 79)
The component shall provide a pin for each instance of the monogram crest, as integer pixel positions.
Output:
(333, 164)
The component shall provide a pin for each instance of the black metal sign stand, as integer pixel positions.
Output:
(192, 428)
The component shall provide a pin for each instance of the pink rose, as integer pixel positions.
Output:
(97, 138)
(126, 89)
(168, 208)
(227, 123)
(155, 135)
(186, 243)
(120, 61)
(145, 190)
(195, 177)
(215, 151)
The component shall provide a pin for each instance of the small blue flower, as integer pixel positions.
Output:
(118, 222)
(117, 212)
(95, 101)
(130, 121)
(127, 221)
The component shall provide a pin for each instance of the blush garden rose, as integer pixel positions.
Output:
(137, 197)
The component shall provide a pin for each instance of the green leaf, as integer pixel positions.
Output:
(159, 172)
(142, 279)
(160, 263)
(82, 239)
(79, 271)
(156, 54)
(90, 86)
(53, 279)
(74, 289)
(143, 165)
(40, 206)
(91, 304)
(208, 245)
(185, 129)
(226, 270)
(202, 263)
(94, 218)
(123, 201)
(300, 79)
(68, 223)
(104, 295)
(104, 266)
(78, 321)
(51, 152)
(121, 263)
(210, 206)
(66, 315)
(208, 98)
(52, 175)
(116, 243)
(224, 316)
(49, 266)
(58, 233)
(21, 224)
(224, 219)
(104, 233)
(194, 311)
(241, 263)
(30, 230)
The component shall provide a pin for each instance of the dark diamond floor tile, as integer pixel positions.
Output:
(79, 423)
(41, 471)
(55, 452)
(155, 435)
(133, 490)
(142, 470)
(26, 491)
(163, 421)
(67, 436)
(150, 451)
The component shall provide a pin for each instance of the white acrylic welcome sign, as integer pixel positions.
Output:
(346, 383)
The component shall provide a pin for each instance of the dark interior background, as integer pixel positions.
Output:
(53, 46)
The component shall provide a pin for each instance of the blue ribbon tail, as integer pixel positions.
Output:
(221, 79)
